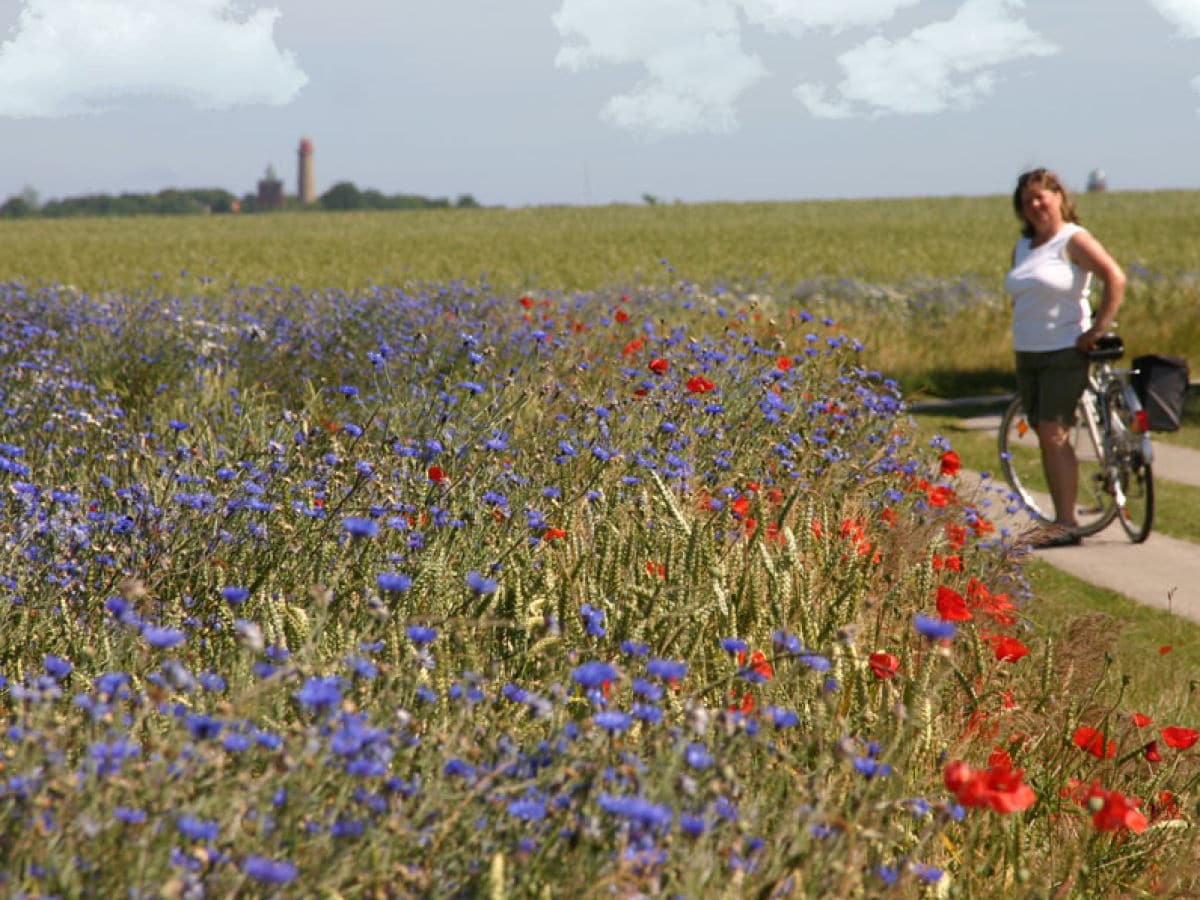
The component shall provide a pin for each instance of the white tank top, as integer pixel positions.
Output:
(1050, 294)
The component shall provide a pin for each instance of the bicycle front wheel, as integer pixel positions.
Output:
(1021, 462)
(1134, 473)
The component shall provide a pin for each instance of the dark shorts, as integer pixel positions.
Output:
(1051, 384)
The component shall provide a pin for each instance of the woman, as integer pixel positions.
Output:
(1053, 328)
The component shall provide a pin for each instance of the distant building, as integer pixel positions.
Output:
(1097, 183)
(270, 191)
(306, 183)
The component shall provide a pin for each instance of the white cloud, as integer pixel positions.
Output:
(79, 56)
(1183, 14)
(945, 65)
(690, 49)
(799, 16)
(695, 68)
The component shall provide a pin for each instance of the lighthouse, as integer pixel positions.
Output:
(306, 187)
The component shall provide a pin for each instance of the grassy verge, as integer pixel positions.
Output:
(1176, 506)
(1163, 684)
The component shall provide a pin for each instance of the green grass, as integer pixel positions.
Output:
(1161, 684)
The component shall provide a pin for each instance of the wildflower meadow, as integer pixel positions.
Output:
(447, 589)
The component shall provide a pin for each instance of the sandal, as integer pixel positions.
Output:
(1055, 537)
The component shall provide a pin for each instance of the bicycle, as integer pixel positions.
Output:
(1111, 437)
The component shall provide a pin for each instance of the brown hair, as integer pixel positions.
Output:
(1047, 179)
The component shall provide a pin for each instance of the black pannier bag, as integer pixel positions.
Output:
(1161, 383)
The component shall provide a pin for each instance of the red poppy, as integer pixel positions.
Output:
(551, 534)
(525, 302)
(950, 463)
(745, 705)
(998, 787)
(889, 517)
(783, 363)
(1179, 738)
(659, 366)
(940, 495)
(621, 316)
(951, 606)
(436, 475)
(1116, 812)
(1141, 720)
(1006, 649)
(699, 385)
(1164, 650)
(884, 665)
(632, 347)
(759, 664)
(1150, 751)
(956, 535)
(1092, 740)
(655, 569)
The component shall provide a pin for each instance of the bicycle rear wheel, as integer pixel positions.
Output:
(1021, 462)
(1134, 472)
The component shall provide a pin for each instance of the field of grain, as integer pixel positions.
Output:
(331, 565)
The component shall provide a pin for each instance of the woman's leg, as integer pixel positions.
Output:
(1062, 469)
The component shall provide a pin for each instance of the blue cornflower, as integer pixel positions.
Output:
(815, 662)
(789, 642)
(697, 756)
(530, 810)
(872, 768)
(197, 829)
(481, 585)
(647, 689)
(926, 873)
(593, 620)
(781, 718)
(129, 816)
(426, 694)
(163, 638)
(889, 875)
(613, 720)
(56, 667)
(733, 645)
(321, 693)
(594, 674)
(360, 527)
(637, 810)
(421, 634)
(647, 712)
(393, 582)
(635, 648)
(933, 628)
(234, 594)
(361, 667)
(692, 826)
(269, 871)
(666, 669)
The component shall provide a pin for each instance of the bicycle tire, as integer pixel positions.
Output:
(1136, 476)
(1021, 463)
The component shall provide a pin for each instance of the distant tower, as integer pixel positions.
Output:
(307, 188)
(1097, 182)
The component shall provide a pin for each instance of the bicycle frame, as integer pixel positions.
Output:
(1098, 418)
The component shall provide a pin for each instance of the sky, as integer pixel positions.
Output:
(581, 102)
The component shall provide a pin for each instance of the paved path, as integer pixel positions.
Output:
(1163, 572)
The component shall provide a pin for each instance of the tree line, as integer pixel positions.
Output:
(342, 196)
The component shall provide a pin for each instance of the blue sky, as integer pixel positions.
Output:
(597, 101)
